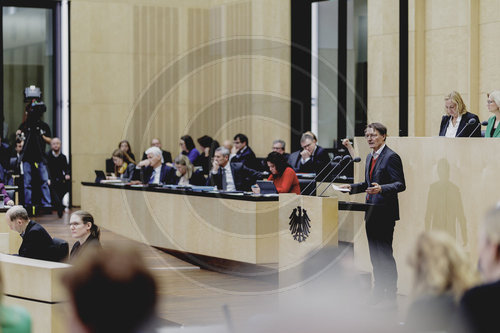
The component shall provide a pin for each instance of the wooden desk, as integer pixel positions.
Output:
(35, 285)
(246, 229)
(10, 241)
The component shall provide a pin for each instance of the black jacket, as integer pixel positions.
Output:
(37, 243)
(243, 177)
(388, 173)
(79, 248)
(197, 178)
(472, 130)
(58, 167)
(314, 165)
(247, 157)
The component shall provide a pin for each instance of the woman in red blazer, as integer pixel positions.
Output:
(282, 175)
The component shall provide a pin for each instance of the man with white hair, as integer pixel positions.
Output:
(477, 307)
(37, 243)
(153, 171)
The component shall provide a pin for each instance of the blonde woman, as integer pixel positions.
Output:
(441, 274)
(458, 121)
(493, 130)
(185, 173)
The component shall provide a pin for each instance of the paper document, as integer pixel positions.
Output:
(336, 188)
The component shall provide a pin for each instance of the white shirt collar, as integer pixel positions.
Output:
(54, 154)
(375, 154)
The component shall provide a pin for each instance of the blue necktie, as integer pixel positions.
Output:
(152, 179)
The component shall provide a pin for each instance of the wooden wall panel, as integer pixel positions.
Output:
(165, 68)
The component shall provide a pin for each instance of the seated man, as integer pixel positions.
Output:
(153, 171)
(279, 147)
(244, 153)
(166, 157)
(311, 159)
(37, 243)
(230, 176)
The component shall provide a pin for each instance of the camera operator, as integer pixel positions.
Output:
(37, 134)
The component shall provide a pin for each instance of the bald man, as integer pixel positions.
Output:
(59, 175)
(37, 243)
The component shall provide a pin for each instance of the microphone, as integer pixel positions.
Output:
(470, 122)
(355, 160)
(484, 123)
(334, 159)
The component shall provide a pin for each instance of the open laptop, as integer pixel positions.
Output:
(99, 175)
(266, 187)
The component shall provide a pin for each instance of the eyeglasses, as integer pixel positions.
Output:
(277, 148)
(75, 224)
(306, 146)
(370, 136)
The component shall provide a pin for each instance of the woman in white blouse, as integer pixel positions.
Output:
(458, 122)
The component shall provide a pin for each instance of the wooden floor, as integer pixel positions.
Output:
(191, 296)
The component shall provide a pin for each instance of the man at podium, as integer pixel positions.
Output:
(384, 178)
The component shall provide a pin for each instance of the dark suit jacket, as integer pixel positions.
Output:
(243, 177)
(167, 157)
(166, 174)
(80, 248)
(197, 178)
(315, 164)
(388, 173)
(247, 157)
(473, 130)
(478, 310)
(37, 243)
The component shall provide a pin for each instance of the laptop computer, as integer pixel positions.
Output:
(99, 175)
(266, 187)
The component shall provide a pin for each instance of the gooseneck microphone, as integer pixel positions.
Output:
(470, 122)
(344, 159)
(484, 123)
(336, 159)
(355, 160)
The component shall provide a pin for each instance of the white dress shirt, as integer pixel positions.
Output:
(451, 131)
(229, 178)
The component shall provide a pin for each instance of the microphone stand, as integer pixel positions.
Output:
(470, 122)
(345, 158)
(317, 175)
(484, 123)
(357, 159)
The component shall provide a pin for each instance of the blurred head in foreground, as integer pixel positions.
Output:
(440, 266)
(111, 290)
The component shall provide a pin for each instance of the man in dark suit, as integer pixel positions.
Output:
(230, 176)
(166, 156)
(478, 311)
(279, 147)
(153, 171)
(311, 159)
(37, 243)
(59, 175)
(244, 153)
(384, 178)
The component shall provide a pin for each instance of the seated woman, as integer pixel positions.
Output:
(123, 170)
(6, 199)
(86, 232)
(208, 146)
(185, 174)
(493, 130)
(124, 146)
(441, 274)
(284, 178)
(187, 148)
(456, 121)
